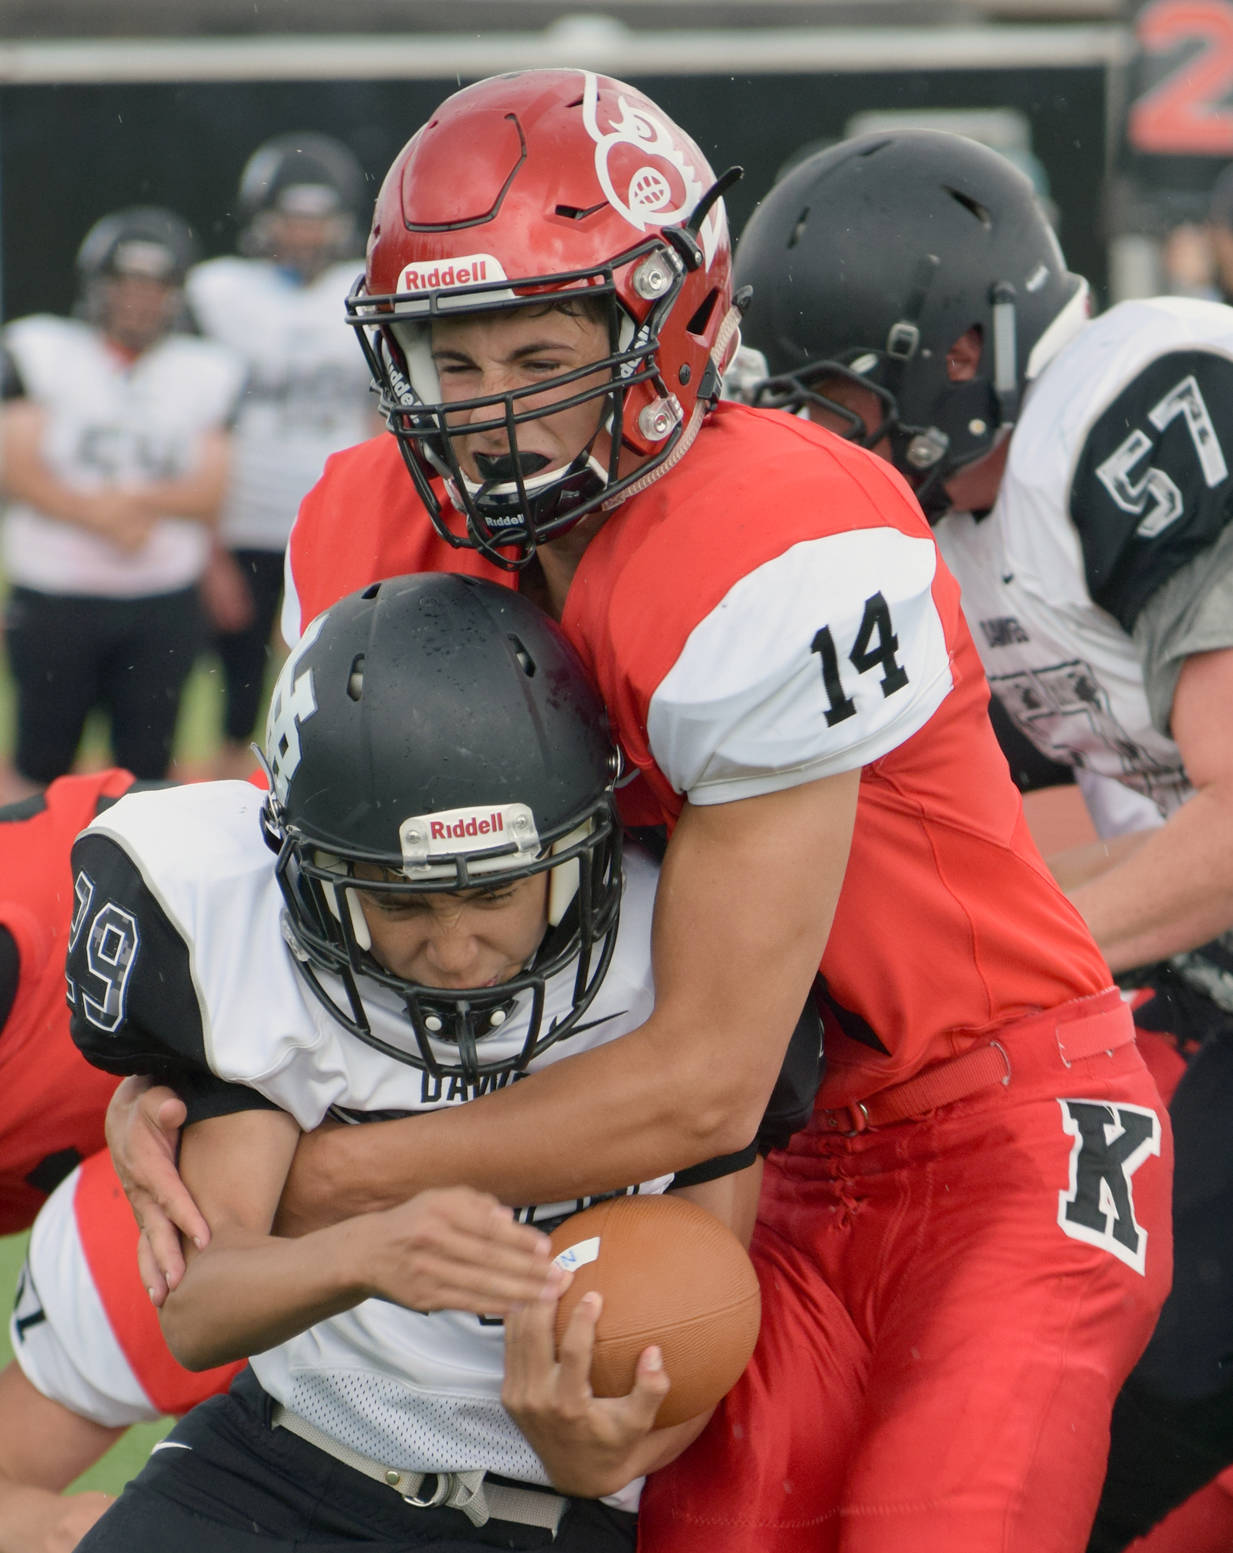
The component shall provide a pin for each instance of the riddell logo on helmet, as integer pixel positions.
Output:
(504, 831)
(472, 269)
(491, 825)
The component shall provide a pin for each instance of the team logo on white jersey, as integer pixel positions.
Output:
(646, 171)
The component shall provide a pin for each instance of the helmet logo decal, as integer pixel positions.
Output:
(470, 269)
(505, 831)
(647, 174)
(292, 702)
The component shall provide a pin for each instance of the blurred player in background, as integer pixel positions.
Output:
(979, 1202)
(114, 451)
(911, 295)
(279, 305)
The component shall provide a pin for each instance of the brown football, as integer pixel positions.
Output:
(670, 1273)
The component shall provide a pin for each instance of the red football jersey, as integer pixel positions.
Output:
(53, 1100)
(774, 610)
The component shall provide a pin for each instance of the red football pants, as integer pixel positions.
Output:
(950, 1305)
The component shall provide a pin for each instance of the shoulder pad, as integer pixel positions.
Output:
(1151, 487)
(133, 1005)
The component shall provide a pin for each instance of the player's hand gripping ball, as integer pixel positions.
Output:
(670, 1273)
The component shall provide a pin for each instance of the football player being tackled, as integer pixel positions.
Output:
(979, 1203)
(429, 903)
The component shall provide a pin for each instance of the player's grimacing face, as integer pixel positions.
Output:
(481, 354)
(461, 938)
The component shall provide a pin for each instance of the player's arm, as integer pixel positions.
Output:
(591, 1445)
(1175, 889)
(112, 514)
(198, 492)
(45, 1446)
(248, 1290)
(1077, 866)
(745, 902)
(1149, 500)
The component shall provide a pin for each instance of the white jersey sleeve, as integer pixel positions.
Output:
(818, 661)
(60, 1332)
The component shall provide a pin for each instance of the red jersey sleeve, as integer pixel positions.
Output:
(362, 521)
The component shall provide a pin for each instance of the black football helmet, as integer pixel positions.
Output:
(872, 257)
(443, 728)
(301, 174)
(143, 240)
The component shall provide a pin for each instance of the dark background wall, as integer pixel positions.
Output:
(69, 153)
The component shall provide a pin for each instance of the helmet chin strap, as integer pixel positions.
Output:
(727, 342)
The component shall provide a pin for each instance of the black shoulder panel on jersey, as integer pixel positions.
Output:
(133, 1005)
(205, 1096)
(1152, 487)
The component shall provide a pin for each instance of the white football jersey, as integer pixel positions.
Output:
(178, 952)
(1117, 476)
(83, 1329)
(307, 392)
(60, 1330)
(113, 420)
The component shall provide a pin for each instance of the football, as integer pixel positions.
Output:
(670, 1273)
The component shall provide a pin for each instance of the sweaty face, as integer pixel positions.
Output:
(482, 354)
(464, 938)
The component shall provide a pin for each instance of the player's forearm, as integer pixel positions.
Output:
(1078, 866)
(1174, 892)
(197, 494)
(591, 1123)
(34, 1520)
(245, 1292)
(27, 479)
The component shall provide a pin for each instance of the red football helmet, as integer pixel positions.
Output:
(518, 190)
